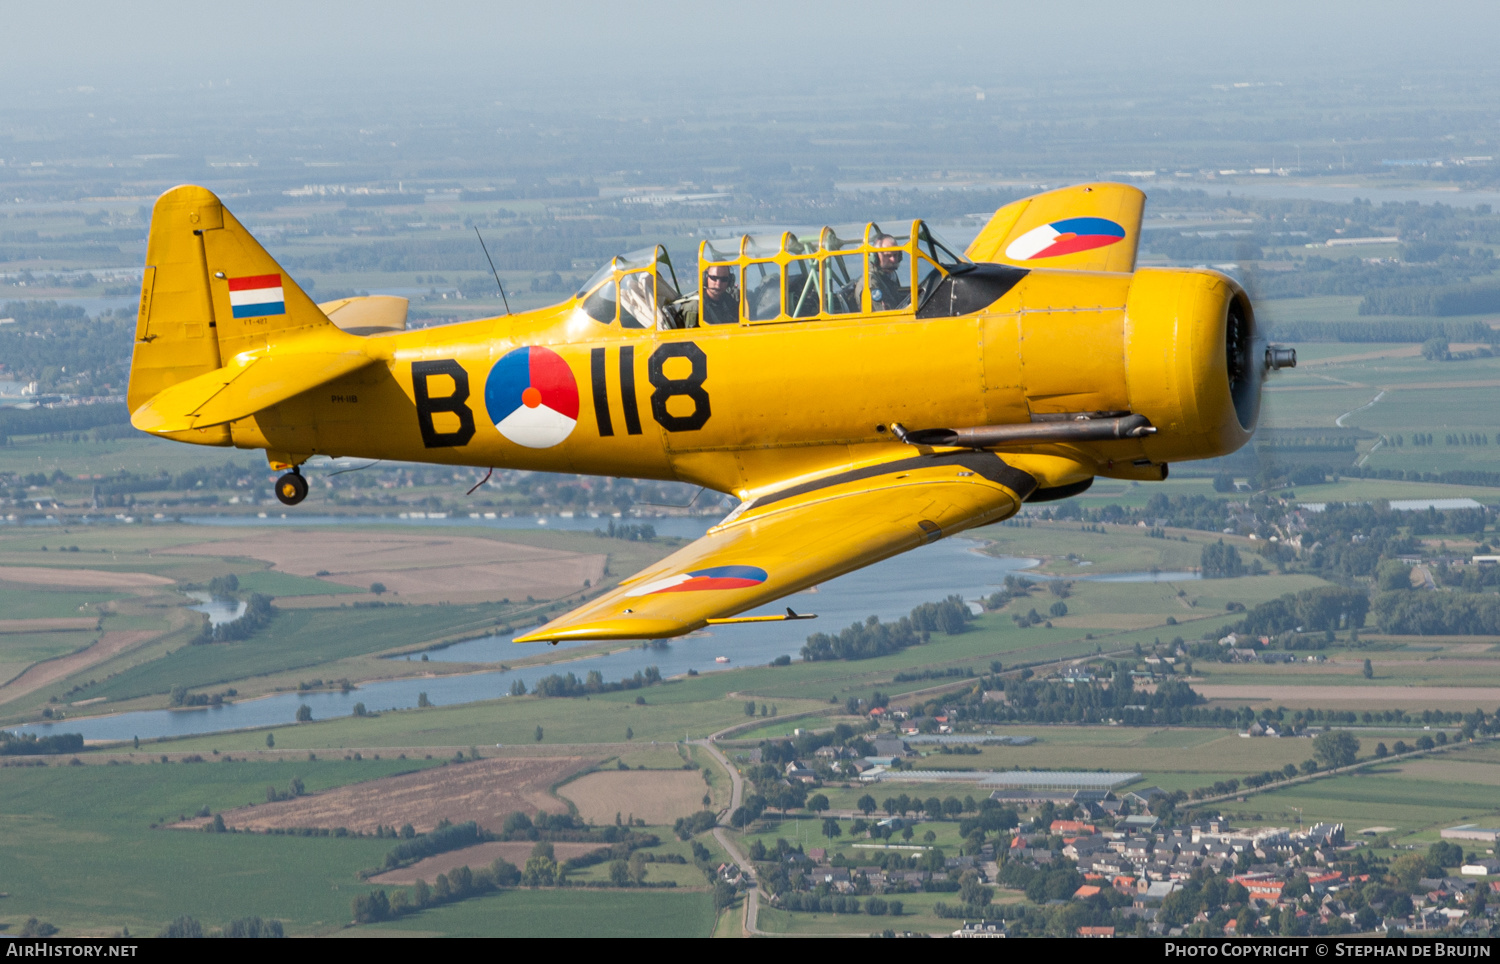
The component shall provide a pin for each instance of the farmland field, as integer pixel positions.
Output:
(82, 853)
(656, 796)
(562, 913)
(479, 855)
(484, 791)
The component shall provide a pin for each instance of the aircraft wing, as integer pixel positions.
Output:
(799, 536)
(1087, 227)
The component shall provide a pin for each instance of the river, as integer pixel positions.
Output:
(888, 589)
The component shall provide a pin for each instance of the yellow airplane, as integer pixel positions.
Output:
(861, 396)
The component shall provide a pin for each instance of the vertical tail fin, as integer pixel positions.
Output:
(1086, 227)
(210, 291)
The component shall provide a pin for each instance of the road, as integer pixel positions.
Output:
(752, 896)
(736, 795)
(737, 782)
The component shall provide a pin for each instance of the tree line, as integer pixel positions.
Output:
(1405, 332)
(873, 638)
(557, 685)
(29, 744)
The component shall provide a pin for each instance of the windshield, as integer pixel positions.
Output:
(938, 250)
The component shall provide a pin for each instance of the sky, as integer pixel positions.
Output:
(330, 49)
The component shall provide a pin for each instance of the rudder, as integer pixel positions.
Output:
(208, 293)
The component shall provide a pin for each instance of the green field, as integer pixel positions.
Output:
(41, 603)
(600, 719)
(284, 584)
(1384, 796)
(570, 912)
(916, 917)
(22, 649)
(80, 851)
(284, 645)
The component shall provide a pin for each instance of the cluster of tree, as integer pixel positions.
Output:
(1323, 608)
(1191, 246)
(1058, 882)
(571, 685)
(242, 927)
(62, 349)
(444, 837)
(456, 885)
(626, 862)
(54, 421)
(1220, 561)
(1267, 469)
(1043, 701)
(1467, 578)
(948, 616)
(691, 826)
(1434, 300)
(29, 744)
(297, 789)
(257, 616)
(873, 638)
(1181, 511)
(179, 696)
(840, 904)
(1014, 588)
(566, 827)
(1356, 276)
(1385, 332)
(630, 532)
(1409, 612)
(950, 672)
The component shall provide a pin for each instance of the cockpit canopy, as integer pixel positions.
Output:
(758, 279)
(633, 288)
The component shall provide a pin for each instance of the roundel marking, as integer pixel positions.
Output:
(714, 577)
(532, 397)
(1068, 236)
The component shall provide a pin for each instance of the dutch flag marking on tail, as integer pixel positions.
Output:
(257, 296)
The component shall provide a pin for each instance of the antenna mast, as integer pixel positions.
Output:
(491, 260)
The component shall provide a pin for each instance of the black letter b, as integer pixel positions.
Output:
(428, 406)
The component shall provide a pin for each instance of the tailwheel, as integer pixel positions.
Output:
(291, 488)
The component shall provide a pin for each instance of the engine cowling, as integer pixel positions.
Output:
(1194, 362)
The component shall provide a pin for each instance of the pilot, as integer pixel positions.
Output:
(717, 304)
(888, 290)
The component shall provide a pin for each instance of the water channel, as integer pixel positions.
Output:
(888, 589)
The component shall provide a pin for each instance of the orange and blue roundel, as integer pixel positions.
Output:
(714, 577)
(1068, 236)
(532, 397)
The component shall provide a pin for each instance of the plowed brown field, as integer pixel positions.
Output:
(656, 796)
(484, 791)
(422, 568)
(80, 578)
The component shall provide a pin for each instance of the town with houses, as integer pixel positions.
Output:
(1147, 876)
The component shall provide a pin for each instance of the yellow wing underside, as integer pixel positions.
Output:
(798, 537)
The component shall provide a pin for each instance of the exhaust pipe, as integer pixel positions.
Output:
(1279, 358)
(1035, 433)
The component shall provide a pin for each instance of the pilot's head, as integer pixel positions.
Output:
(718, 283)
(887, 260)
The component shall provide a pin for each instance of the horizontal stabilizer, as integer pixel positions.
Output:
(367, 314)
(242, 388)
